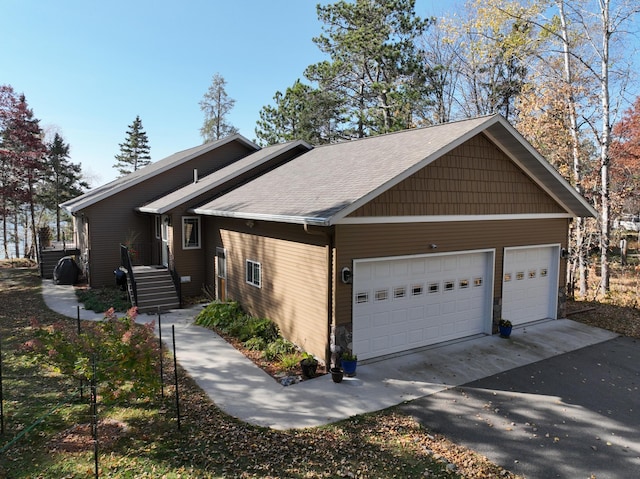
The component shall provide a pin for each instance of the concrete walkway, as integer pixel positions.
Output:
(244, 391)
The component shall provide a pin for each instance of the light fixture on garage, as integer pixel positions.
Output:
(434, 246)
(564, 253)
(346, 275)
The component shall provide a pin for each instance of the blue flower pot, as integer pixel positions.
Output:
(505, 331)
(349, 367)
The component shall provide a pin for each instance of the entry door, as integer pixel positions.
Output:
(221, 274)
(165, 241)
(530, 283)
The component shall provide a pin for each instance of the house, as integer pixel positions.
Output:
(384, 244)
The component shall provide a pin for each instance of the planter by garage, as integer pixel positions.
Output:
(336, 375)
(349, 362)
(505, 327)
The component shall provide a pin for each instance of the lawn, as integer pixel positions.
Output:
(47, 435)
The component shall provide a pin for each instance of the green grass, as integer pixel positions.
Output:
(210, 444)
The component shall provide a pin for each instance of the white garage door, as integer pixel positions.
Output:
(530, 283)
(402, 303)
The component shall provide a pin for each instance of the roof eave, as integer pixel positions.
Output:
(314, 221)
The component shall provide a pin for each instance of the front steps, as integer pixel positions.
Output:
(155, 289)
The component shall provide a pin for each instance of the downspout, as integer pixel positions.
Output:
(330, 260)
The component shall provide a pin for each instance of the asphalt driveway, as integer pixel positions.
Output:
(576, 415)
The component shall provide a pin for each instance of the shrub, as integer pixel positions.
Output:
(290, 361)
(219, 315)
(278, 348)
(126, 354)
(101, 300)
(255, 344)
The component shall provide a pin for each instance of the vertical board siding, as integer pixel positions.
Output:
(474, 179)
(379, 240)
(294, 290)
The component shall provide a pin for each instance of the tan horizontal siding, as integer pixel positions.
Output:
(474, 179)
(294, 290)
(377, 241)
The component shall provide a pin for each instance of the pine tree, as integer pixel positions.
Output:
(216, 105)
(63, 180)
(134, 152)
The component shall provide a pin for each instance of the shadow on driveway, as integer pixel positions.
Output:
(576, 415)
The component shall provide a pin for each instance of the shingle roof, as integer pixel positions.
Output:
(219, 178)
(329, 182)
(149, 171)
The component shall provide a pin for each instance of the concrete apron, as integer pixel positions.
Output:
(244, 391)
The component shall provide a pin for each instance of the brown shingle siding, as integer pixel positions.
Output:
(474, 179)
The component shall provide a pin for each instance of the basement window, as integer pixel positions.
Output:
(190, 232)
(254, 273)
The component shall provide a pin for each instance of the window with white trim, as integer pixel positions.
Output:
(190, 232)
(254, 273)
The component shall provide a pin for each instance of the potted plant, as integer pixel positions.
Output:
(505, 326)
(309, 365)
(349, 361)
(337, 374)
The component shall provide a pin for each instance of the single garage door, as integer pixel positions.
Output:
(530, 283)
(402, 303)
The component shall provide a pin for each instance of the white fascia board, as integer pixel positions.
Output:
(363, 220)
(302, 220)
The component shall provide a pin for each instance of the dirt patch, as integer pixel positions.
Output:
(79, 438)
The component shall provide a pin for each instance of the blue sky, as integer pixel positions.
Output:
(88, 67)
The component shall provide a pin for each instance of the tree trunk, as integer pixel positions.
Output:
(604, 151)
(580, 253)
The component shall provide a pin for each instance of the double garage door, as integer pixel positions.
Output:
(402, 303)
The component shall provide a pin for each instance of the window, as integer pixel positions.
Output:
(416, 290)
(382, 295)
(254, 273)
(399, 292)
(158, 226)
(221, 257)
(190, 232)
(434, 287)
(362, 298)
(477, 282)
(463, 284)
(449, 285)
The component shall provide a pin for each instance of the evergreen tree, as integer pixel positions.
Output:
(134, 152)
(216, 105)
(301, 113)
(63, 180)
(375, 67)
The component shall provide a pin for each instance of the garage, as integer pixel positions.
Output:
(530, 282)
(402, 303)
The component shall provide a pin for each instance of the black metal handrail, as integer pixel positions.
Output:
(125, 263)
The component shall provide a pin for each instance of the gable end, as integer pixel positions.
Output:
(476, 178)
